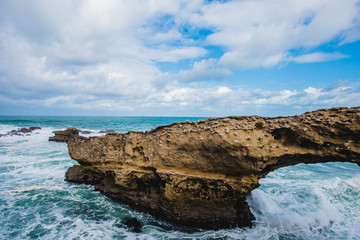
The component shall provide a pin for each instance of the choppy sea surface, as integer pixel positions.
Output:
(318, 201)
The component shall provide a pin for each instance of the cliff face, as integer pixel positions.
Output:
(199, 173)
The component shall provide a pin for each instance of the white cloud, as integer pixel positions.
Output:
(211, 101)
(110, 54)
(92, 31)
(281, 97)
(262, 33)
(223, 90)
(176, 54)
(219, 97)
(319, 57)
(246, 60)
(90, 47)
(171, 35)
(24, 71)
(206, 69)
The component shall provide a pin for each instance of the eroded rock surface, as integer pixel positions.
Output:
(66, 135)
(199, 173)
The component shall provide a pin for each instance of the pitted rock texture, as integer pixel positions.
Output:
(66, 135)
(199, 173)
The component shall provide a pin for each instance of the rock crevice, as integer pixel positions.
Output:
(199, 173)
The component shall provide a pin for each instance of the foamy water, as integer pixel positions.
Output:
(319, 201)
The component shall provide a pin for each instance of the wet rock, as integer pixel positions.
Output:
(66, 135)
(193, 176)
(133, 224)
(106, 131)
(25, 130)
(85, 132)
(20, 132)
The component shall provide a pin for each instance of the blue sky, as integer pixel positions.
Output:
(179, 57)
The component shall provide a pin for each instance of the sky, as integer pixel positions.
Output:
(178, 58)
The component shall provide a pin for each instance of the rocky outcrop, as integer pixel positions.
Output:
(21, 132)
(199, 173)
(66, 135)
(133, 224)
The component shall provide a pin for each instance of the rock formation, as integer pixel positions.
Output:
(133, 224)
(85, 132)
(199, 173)
(21, 132)
(107, 131)
(66, 135)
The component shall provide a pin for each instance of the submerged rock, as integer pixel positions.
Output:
(25, 130)
(107, 131)
(85, 132)
(20, 132)
(66, 135)
(133, 224)
(198, 174)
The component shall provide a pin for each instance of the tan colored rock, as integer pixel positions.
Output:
(200, 177)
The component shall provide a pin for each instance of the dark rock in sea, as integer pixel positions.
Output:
(25, 130)
(15, 132)
(85, 132)
(20, 132)
(106, 131)
(198, 174)
(133, 224)
(66, 135)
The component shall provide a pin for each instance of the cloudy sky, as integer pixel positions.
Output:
(178, 57)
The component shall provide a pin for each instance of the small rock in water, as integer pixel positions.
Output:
(25, 130)
(85, 132)
(20, 132)
(106, 131)
(133, 224)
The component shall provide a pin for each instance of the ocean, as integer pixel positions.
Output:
(317, 201)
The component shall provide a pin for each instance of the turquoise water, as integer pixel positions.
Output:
(319, 201)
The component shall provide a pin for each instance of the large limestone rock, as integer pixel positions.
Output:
(199, 173)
